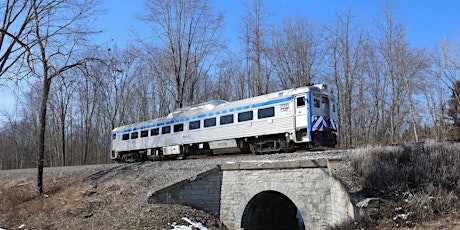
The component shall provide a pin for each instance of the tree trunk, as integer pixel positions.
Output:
(63, 137)
(41, 150)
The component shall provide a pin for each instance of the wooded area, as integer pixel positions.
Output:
(71, 92)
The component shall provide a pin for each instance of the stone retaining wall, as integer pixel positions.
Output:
(321, 199)
(202, 192)
(309, 184)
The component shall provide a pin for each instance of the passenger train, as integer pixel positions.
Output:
(277, 122)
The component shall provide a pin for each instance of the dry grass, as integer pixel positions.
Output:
(117, 200)
(18, 198)
(415, 183)
(17, 194)
(401, 168)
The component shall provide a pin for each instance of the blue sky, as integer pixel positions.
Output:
(427, 21)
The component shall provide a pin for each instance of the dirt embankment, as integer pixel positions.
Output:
(115, 196)
(110, 196)
(94, 197)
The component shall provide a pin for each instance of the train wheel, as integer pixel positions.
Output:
(270, 145)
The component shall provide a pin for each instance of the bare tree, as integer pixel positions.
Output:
(297, 51)
(16, 18)
(414, 69)
(61, 106)
(255, 32)
(187, 33)
(117, 82)
(26, 128)
(446, 73)
(58, 30)
(228, 85)
(346, 49)
(376, 94)
(11, 135)
(164, 92)
(434, 94)
(391, 42)
(91, 99)
(447, 61)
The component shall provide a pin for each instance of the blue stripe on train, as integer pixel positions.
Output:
(201, 116)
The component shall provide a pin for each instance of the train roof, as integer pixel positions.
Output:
(218, 105)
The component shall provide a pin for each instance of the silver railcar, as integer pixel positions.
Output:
(280, 121)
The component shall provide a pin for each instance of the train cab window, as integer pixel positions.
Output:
(300, 102)
(316, 102)
(134, 135)
(227, 119)
(210, 122)
(155, 132)
(125, 136)
(114, 136)
(194, 125)
(245, 116)
(165, 129)
(144, 133)
(178, 128)
(267, 112)
(333, 108)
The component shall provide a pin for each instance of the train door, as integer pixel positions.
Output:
(333, 109)
(325, 107)
(303, 117)
(301, 112)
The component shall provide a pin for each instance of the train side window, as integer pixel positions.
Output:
(144, 133)
(194, 125)
(155, 132)
(178, 128)
(210, 122)
(300, 101)
(125, 136)
(245, 116)
(227, 119)
(165, 129)
(134, 135)
(266, 112)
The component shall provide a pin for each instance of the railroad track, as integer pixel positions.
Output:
(233, 155)
(124, 166)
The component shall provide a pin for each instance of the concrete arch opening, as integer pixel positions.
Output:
(271, 210)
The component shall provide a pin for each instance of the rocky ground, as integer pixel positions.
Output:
(115, 196)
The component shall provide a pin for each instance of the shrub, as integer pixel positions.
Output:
(415, 183)
(18, 194)
(430, 202)
(394, 169)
